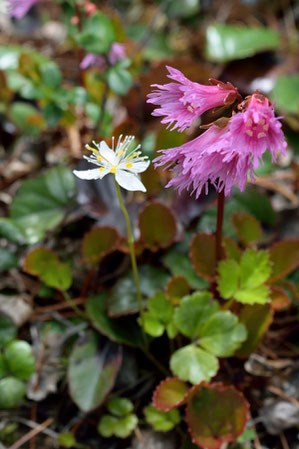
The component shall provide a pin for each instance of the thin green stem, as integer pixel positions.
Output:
(133, 258)
(76, 309)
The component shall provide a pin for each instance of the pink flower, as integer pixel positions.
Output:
(257, 129)
(223, 156)
(18, 8)
(117, 52)
(183, 102)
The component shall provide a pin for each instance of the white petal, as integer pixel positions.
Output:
(129, 181)
(137, 167)
(107, 153)
(95, 173)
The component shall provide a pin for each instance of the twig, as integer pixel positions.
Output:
(281, 394)
(284, 441)
(31, 434)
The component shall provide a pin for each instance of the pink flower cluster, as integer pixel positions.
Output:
(117, 52)
(230, 149)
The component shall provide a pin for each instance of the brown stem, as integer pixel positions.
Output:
(220, 210)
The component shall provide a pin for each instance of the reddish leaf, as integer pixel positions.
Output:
(157, 225)
(99, 242)
(202, 255)
(257, 318)
(284, 257)
(170, 393)
(247, 227)
(176, 288)
(36, 261)
(216, 414)
(279, 298)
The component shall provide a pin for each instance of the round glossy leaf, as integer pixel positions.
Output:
(98, 34)
(7, 259)
(20, 359)
(12, 392)
(286, 93)
(216, 415)
(27, 118)
(279, 298)
(247, 227)
(120, 406)
(176, 289)
(202, 254)
(106, 426)
(119, 79)
(8, 330)
(170, 394)
(99, 242)
(92, 370)
(284, 257)
(161, 421)
(157, 225)
(193, 364)
(3, 367)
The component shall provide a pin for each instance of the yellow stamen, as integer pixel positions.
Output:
(99, 158)
(101, 169)
(250, 133)
(249, 122)
(91, 149)
(120, 152)
(261, 135)
(129, 165)
(266, 127)
(113, 170)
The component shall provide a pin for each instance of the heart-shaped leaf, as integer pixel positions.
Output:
(216, 415)
(124, 331)
(247, 227)
(257, 318)
(157, 225)
(193, 364)
(202, 255)
(40, 203)
(99, 242)
(92, 370)
(170, 393)
(255, 268)
(161, 421)
(44, 263)
(284, 257)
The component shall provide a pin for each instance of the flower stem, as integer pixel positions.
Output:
(133, 258)
(220, 210)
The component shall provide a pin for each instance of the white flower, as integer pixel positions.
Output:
(124, 166)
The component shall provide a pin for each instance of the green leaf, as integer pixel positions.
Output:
(106, 426)
(20, 359)
(119, 79)
(123, 299)
(230, 42)
(257, 318)
(228, 279)
(125, 426)
(160, 307)
(176, 289)
(97, 35)
(12, 231)
(40, 203)
(67, 440)
(8, 330)
(7, 259)
(43, 263)
(257, 204)
(3, 367)
(120, 406)
(247, 227)
(157, 225)
(51, 75)
(183, 8)
(170, 393)
(222, 334)
(12, 392)
(27, 118)
(255, 268)
(259, 295)
(92, 370)
(122, 331)
(193, 312)
(99, 242)
(152, 325)
(193, 364)
(216, 415)
(161, 421)
(180, 264)
(286, 93)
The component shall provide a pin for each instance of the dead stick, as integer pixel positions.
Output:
(31, 434)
